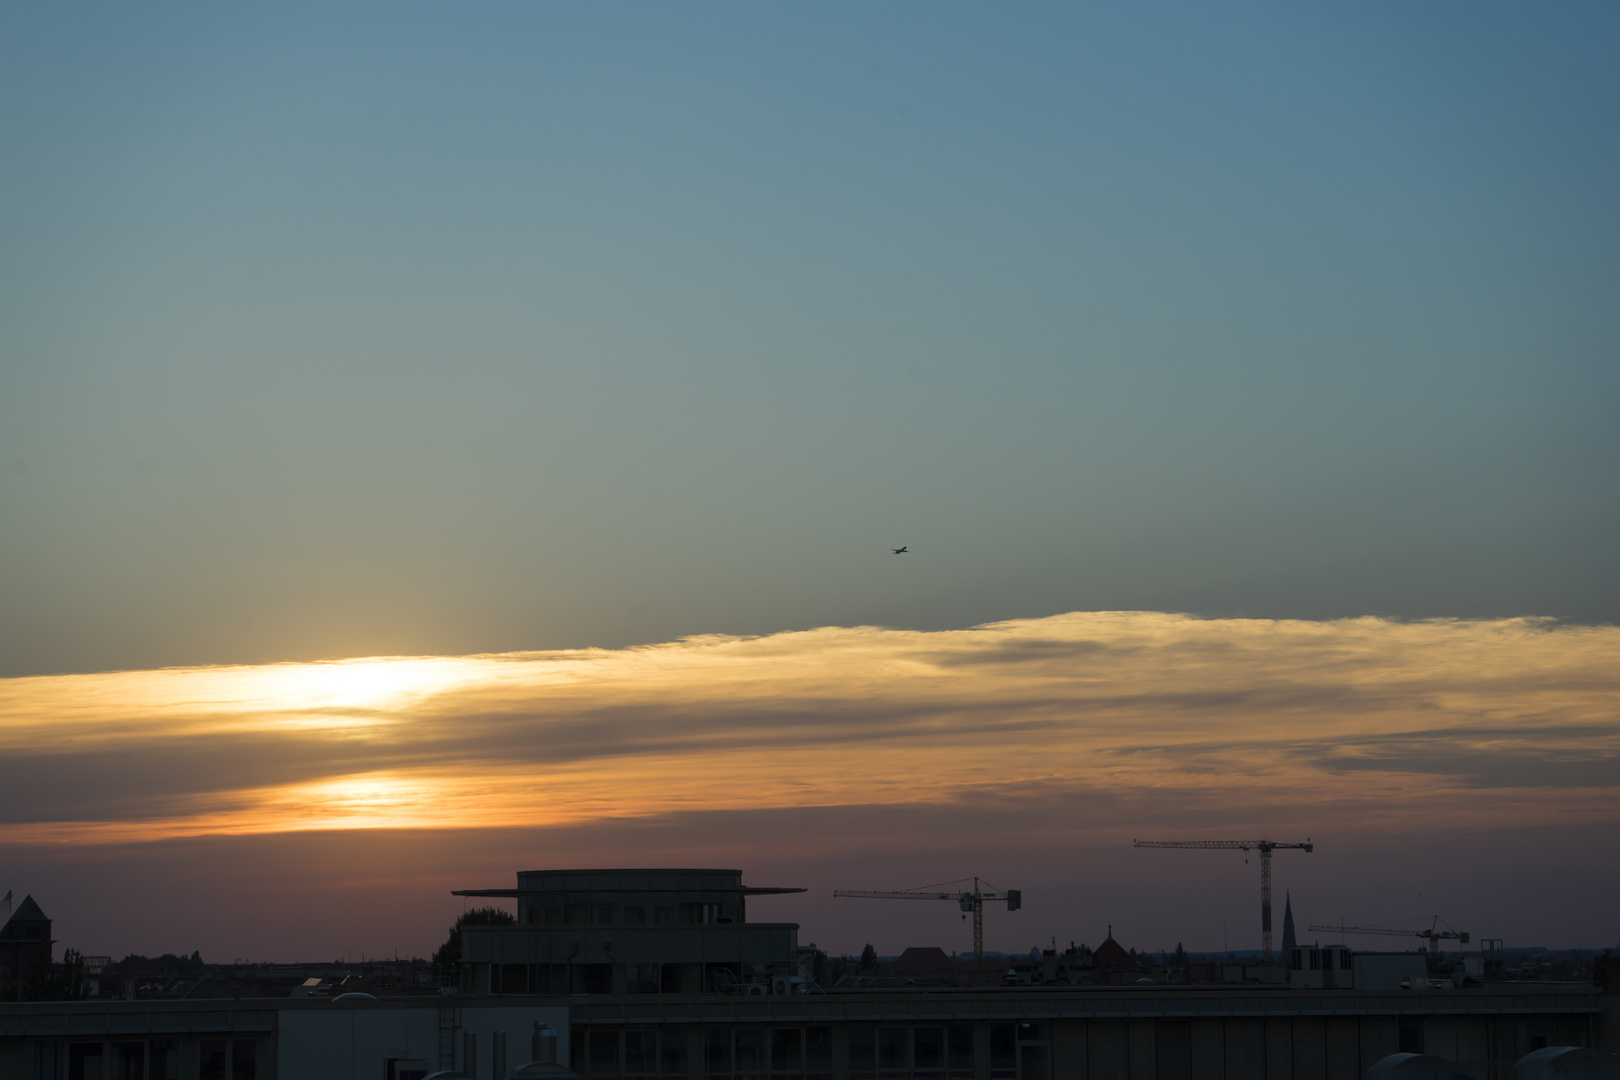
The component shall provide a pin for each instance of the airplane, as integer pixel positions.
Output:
(901, 551)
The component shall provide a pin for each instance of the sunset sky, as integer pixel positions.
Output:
(438, 441)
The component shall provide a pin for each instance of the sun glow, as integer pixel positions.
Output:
(385, 683)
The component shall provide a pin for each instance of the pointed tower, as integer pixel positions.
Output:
(1288, 943)
(25, 947)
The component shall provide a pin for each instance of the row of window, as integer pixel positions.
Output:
(923, 1050)
(148, 1059)
(1320, 959)
(630, 914)
(644, 978)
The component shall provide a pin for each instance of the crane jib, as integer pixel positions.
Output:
(969, 902)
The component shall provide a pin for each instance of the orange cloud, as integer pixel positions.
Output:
(1368, 718)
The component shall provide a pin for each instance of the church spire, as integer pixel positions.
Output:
(1288, 943)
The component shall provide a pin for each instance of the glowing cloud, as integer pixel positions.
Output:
(1163, 715)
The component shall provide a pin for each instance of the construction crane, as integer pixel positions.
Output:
(1433, 933)
(1265, 848)
(973, 901)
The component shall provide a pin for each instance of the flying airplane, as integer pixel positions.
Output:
(901, 551)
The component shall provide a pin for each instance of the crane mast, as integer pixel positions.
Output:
(968, 901)
(1264, 847)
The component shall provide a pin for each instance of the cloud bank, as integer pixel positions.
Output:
(1126, 721)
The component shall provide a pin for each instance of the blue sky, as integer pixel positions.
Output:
(434, 329)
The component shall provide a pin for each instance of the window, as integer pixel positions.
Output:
(672, 1053)
(604, 914)
(165, 1059)
(642, 979)
(1033, 1059)
(717, 1050)
(786, 1047)
(590, 978)
(554, 916)
(212, 1060)
(634, 915)
(750, 1050)
(1411, 1036)
(862, 1052)
(1003, 1050)
(892, 1049)
(818, 1049)
(128, 1061)
(663, 914)
(640, 1052)
(245, 1059)
(928, 1048)
(961, 1060)
(84, 1061)
(604, 1053)
(577, 914)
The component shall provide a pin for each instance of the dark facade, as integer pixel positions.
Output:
(647, 931)
(1123, 1033)
(1096, 1033)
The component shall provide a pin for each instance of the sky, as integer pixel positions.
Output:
(1242, 381)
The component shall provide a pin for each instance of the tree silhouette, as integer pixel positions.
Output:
(449, 954)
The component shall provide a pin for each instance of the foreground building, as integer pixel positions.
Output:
(356, 1038)
(1077, 1033)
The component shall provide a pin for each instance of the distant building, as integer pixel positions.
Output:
(25, 948)
(1111, 964)
(667, 931)
(1338, 968)
(929, 964)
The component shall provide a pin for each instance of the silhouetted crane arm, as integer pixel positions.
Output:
(867, 894)
(1459, 935)
(1223, 845)
(971, 901)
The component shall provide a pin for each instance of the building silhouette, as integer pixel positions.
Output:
(646, 931)
(25, 949)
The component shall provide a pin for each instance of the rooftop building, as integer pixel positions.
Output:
(640, 931)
